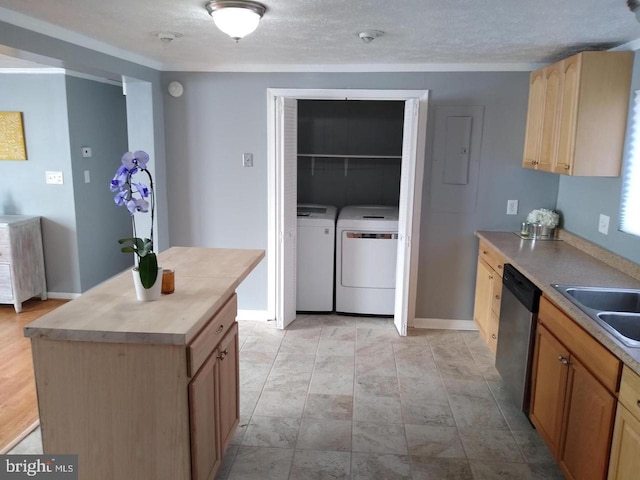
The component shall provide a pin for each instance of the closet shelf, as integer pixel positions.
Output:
(324, 155)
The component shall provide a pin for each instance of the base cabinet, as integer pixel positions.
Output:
(213, 405)
(573, 402)
(486, 310)
(625, 449)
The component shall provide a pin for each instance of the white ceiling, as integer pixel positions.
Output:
(310, 34)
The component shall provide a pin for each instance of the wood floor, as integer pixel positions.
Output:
(18, 405)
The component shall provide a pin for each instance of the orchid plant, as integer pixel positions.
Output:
(137, 197)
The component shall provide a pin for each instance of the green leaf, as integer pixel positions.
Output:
(127, 250)
(148, 268)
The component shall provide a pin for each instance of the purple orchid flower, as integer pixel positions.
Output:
(142, 189)
(136, 159)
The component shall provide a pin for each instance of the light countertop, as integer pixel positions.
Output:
(204, 279)
(557, 262)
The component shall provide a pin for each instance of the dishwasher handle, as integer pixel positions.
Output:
(521, 287)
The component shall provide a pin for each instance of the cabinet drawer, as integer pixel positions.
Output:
(209, 337)
(602, 363)
(6, 291)
(4, 236)
(5, 253)
(491, 256)
(630, 391)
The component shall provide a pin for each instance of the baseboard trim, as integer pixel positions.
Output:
(63, 295)
(255, 315)
(444, 324)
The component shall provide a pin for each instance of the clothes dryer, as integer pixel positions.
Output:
(315, 257)
(366, 252)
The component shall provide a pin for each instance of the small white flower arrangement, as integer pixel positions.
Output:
(545, 217)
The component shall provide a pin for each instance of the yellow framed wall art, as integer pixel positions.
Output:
(12, 141)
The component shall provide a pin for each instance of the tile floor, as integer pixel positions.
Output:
(336, 397)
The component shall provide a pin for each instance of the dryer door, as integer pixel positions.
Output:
(369, 259)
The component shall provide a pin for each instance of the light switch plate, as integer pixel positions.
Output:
(512, 207)
(603, 224)
(247, 159)
(53, 178)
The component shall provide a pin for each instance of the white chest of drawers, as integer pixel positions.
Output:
(22, 274)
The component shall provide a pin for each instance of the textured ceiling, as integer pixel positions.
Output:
(302, 33)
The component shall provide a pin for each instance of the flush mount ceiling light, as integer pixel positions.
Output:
(634, 6)
(369, 36)
(236, 18)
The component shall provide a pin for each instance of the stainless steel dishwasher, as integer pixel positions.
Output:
(516, 334)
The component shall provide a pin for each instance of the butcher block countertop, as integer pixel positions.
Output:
(204, 279)
(558, 262)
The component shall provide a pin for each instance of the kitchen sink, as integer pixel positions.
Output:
(617, 310)
(627, 324)
(606, 299)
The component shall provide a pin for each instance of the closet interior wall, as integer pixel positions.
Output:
(349, 152)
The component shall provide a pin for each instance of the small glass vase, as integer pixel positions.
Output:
(147, 294)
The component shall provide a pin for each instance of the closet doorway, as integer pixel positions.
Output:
(282, 194)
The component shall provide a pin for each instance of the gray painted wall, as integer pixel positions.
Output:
(97, 119)
(581, 200)
(43, 101)
(57, 53)
(216, 202)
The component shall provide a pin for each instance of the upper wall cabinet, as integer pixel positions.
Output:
(577, 115)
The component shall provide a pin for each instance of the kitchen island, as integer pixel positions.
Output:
(145, 390)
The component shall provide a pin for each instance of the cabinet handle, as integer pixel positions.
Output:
(500, 267)
(493, 335)
(497, 297)
(490, 277)
(638, 403)
(220, 328)
(566, 167)
(484, 252)
(223, 354)
(563, 360)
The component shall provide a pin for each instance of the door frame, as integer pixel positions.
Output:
(416, 166)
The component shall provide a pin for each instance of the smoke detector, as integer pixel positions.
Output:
(369, 36)
(167, 37)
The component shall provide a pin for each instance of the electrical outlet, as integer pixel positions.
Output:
(53, 178)
(603, 224)
(86, 152)
(512, 207)
(247, 159)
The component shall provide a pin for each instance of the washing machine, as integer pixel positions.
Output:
(366, 251)
(315, 257)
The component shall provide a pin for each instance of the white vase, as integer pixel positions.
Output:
(147, 294)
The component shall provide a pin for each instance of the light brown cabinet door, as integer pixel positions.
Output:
(552, 102)
(205, 442)
(229, 385)
(535, 115)
(625, 449)
(568, 115)
(549, 386)
(484, 289)
(587, 428)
